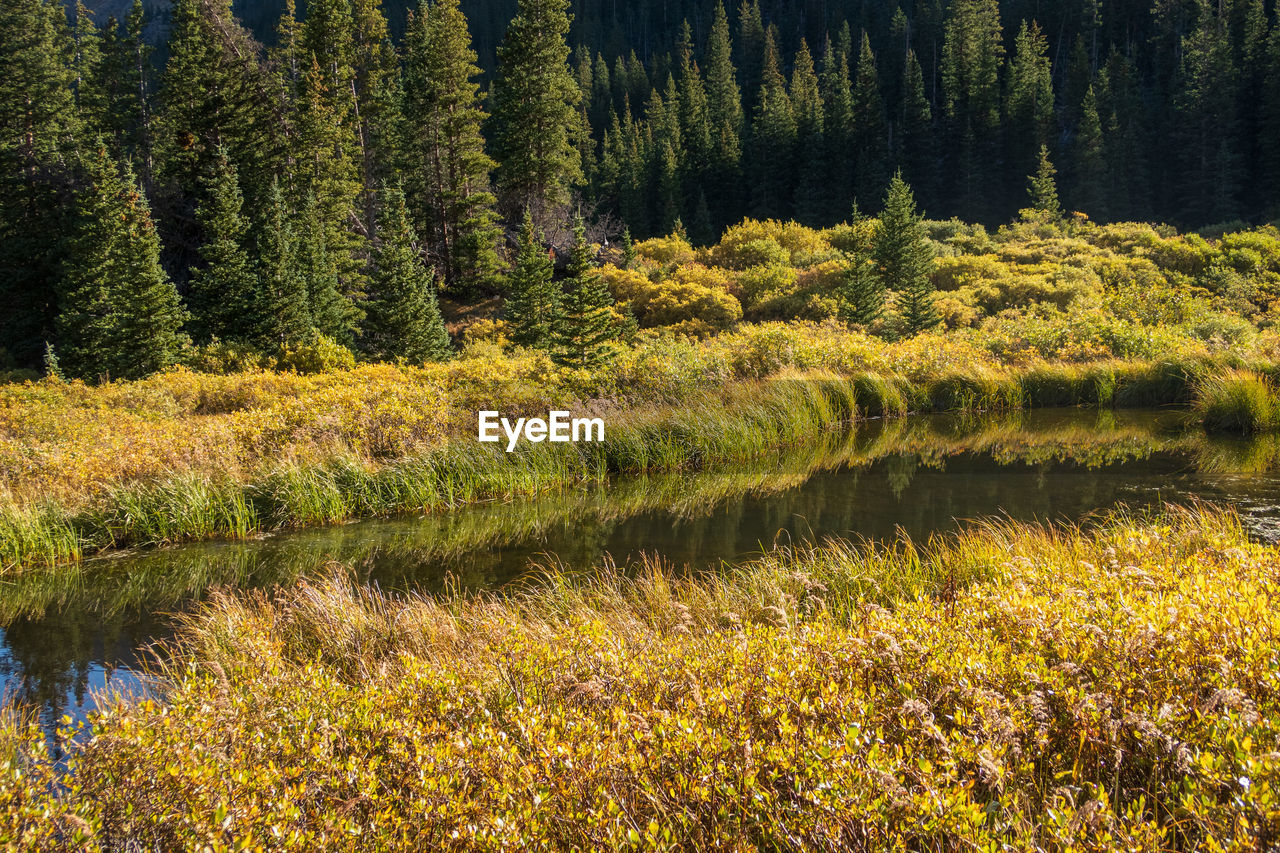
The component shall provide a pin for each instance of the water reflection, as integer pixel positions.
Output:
(67, 631)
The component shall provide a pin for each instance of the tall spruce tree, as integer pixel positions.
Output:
(917, 154)
(214, 94)
(1269, 124)
(694, 116)
(535, 115)
(127, 75)
(972, 53)
(285, 315)
(444, 154)
(1207, 128)
(904, 258)
(533, 299)
(751, 52)
(119, 313)
(725, 122)
(806, 104)
(838, 130)
(870, 151)
(1029, 117)
(376, 83)
(1088, 159)
(333, 314)
(1124, 116)
(224, 295)
(39, 130)
(583, 328)
(402, 319)
(773, 141)
(328, 186)
(87, 65)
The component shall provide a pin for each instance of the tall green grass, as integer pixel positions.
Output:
(1238, 401)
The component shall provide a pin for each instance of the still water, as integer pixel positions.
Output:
(66, 635)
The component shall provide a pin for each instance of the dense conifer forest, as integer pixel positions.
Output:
(174, 177)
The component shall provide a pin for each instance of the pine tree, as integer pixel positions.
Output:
(694, 115)
(773, 138)
(38, 132)
(1029, 114)
(904, 258)
(328, 187)
(583, 327)
(87, 64)
(916, 139)
(376, 84)
(119, 312)
(725, 123)
(535, 116)
(1207, 130)
(285, 315)
(127, 80)
(444, 149)
(602, 107)
(1089, 167)
(1078, 79)
(223, 296)
(533, 299)
(724, 99)
(628, 249)
(838, 130)
(1269, 124)
(870, 148)
(751, 53)
(668, 190)
(214, 94)
(1043, 188)
(972, 54)
(333, 314)
(1122, 113)
(806, 104)
(402, 320)
(862, 293)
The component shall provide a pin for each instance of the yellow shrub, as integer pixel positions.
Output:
(764, 243)
(951, 273)
(665, 251)
(694, 299)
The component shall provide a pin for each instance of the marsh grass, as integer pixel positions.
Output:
(1009, 686)
(733, 422)
(163, 578)
(1238, 401)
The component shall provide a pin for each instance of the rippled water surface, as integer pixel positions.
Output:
(66, 634)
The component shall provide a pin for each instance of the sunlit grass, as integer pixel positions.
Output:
(1007, 686)
(182, 456)
(1238, 401)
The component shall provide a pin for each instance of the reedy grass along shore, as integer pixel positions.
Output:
(165, 578)
(185, 456)
(735, 421)
(1010, 686)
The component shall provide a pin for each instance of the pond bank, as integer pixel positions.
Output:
(732, 422)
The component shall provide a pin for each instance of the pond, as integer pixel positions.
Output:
(69, 633)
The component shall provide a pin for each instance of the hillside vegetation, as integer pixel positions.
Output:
(1037, 314)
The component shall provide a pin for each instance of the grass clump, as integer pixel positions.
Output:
(1237, 401)
(1018, 687)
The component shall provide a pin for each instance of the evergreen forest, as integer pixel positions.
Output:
(316, 180)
